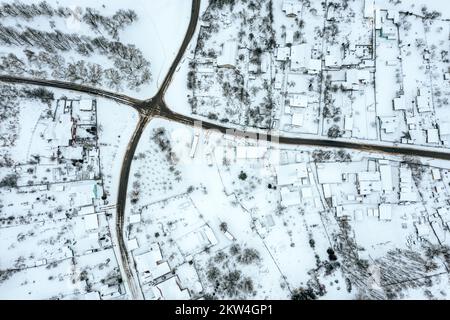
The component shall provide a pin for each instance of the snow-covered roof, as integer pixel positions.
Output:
(333, 57)
(369, 176)
(367, 187)
(399, 103)
(135, 218)
(329, 173)
(386, 177)
(300, 56)
(389, 124)
(229, 54)
(436, 173)
(314, 66)
(278, 81)
(423, 103)
(368, 9)
(132, 244)
(291, 173)
(91, 221)
(86, 105)
(297, 119)
(170, 290)
(151, 262)
(433, 136)
(326, 190)
(394, 15)
(283, 53)
(86, 210)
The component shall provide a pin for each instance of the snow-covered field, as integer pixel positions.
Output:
(158, 32)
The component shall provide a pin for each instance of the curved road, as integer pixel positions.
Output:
(157, 107)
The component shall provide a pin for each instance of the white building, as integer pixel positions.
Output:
(407, 191)
(300, 57)
(436, 173)
(132, 244)
(289, 37)
(394, 15)
(399, 103)
(135, 218)
(171, 290)
(386, 176)
(329, 173)
(314, 66)
(433, 136)
(229, 54)
(151, 263)
(86, 105)
(297, 119)
(91, 221)
(291, 173)
(389, 124)
(423, 103)
(368, 9)
(283, 53)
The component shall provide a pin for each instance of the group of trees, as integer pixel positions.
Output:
(8, 112)
(10, 181)
(331, 156)
(119, 21)
(92, 17)
(18, 9)
(232, 283)
(219, 4)
(129, 64)
(129, 67)
(162, 140)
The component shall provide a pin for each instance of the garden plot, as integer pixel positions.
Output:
(233, 58)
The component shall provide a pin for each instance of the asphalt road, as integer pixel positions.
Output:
(147, 109)
(157, 107)
(121, 202)
(135, 103)
(166, 113)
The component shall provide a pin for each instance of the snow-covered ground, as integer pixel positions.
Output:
(244, 204)
(56, 224)
(158, 32)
